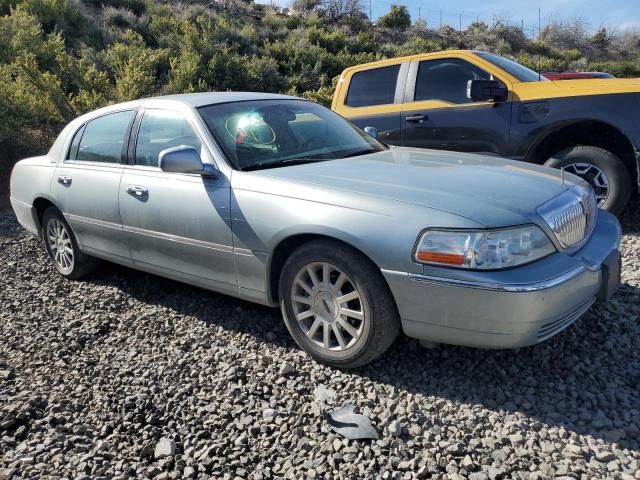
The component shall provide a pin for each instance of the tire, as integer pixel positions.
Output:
(56, 232)
(367, 327)
(598, 166)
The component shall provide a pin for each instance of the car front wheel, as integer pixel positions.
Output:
(62, 248)
(604, 171)
(336, 304)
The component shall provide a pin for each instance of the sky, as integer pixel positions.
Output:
(619, 14)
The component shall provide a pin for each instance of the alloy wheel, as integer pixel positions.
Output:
(595, 176)
(328, 307)
(60, 245)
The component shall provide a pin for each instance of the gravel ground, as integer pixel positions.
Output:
(131, 375)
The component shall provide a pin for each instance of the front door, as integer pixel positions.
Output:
(86, 184)
(438, 114)
(177, 224)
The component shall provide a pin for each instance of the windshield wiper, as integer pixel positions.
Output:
(357, 153)
(281, 163)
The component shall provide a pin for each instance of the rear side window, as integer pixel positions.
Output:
(161, 129)
(101, 140)
(373, 87)
(446, 80)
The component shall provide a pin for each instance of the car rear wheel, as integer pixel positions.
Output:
(336, 304)
(62, 248)
(604, 171)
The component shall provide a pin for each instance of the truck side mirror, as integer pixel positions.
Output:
(486, 90)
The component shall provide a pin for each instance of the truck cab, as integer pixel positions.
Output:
(479, 102)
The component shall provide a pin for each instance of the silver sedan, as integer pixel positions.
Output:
(279, 201)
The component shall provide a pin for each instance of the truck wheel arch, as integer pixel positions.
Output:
(593, 133)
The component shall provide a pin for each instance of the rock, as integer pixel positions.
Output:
(605, 457)
(287, 369)
(395, 428)
(467, 463)
(165, 448)
(478, 476)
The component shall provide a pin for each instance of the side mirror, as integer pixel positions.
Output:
(184, 159)
(486, 90)
(372, 131)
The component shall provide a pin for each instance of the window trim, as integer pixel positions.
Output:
(121, 161)
(135, 131)
(401, 80)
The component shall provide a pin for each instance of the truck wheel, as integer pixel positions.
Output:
(336, 304)
(62, 248)
(604, 171)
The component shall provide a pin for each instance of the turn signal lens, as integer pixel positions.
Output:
(484, 249)
(434, 257)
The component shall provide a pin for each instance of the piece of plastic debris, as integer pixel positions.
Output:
(350, 425)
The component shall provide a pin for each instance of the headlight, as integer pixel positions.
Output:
(483, 249)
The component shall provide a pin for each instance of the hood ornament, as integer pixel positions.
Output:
(562, 174)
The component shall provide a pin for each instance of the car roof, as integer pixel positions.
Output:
(210, 98)
(193, 100)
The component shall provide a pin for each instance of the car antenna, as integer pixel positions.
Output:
(539, 42)
(562, 174)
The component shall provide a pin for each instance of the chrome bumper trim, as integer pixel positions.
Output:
(499, 287)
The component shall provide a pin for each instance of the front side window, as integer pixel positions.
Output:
(161, 129)
(446, 80)
(101, 139)
(272, 133)
(376, 86)
(519, 72)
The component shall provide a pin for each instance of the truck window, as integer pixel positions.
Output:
(376, 86)
(446, 80)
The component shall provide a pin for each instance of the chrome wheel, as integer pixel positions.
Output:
(60, 246)
(327, 307)
(596, 178)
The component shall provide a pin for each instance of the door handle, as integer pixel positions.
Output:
(64, 180)
(137, 191)
(416, 118)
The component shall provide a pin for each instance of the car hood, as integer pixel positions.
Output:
(490, 190)
(577, 87)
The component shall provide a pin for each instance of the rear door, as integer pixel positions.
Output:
(177, 224)
(86, 183)
(374, 99)
(438, 114)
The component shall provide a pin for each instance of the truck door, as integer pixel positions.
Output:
(374, 99)
(438, 114)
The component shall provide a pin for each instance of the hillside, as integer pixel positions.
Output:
(59, 58)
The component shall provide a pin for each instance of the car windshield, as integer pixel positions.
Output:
(274, 133)
(520, 72)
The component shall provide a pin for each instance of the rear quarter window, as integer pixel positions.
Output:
(376, 86)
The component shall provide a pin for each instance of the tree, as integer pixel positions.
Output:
(398, 18)
(336, 9)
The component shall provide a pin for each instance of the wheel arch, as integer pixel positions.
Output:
(40, 204)
(595, 133)
(287, 245)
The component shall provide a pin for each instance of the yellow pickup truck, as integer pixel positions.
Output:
(479, 102)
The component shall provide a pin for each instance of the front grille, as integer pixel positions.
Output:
(571, 215)
(548, 330)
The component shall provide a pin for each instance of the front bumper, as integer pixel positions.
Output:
(506, 309)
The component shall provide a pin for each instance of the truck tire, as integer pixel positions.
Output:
(604, 171)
